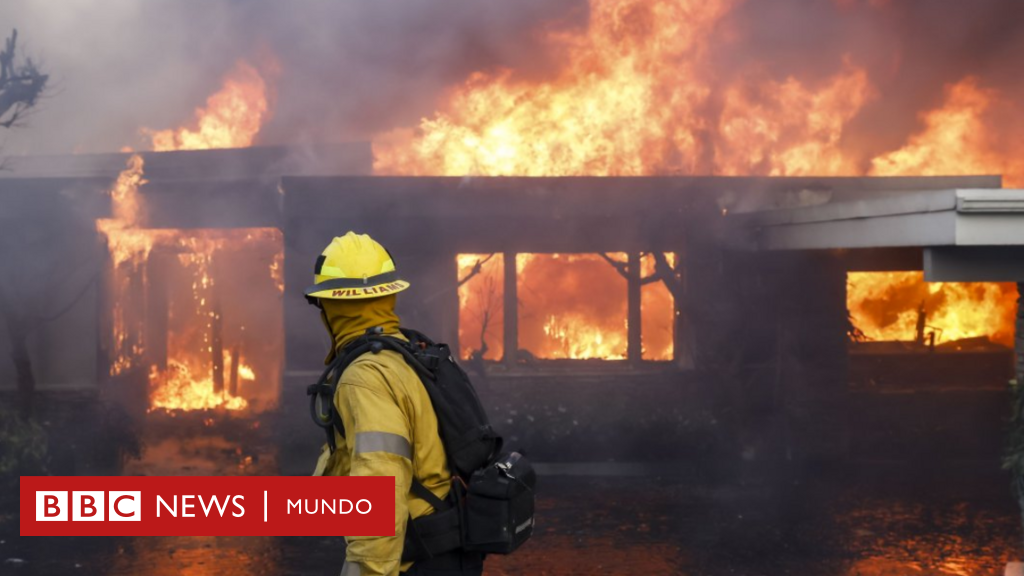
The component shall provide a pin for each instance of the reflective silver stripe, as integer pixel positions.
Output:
(350, 569)
(383, 442)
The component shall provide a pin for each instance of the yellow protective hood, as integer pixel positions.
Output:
(347, 320)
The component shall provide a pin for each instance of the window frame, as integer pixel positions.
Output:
(682, 338)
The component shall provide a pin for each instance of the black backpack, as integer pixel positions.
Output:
(490, 506)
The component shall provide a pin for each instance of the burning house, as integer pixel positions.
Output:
(665, 236)
(748, 314)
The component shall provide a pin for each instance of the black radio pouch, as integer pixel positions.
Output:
(499, 501)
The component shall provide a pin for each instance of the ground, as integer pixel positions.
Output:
(862, 520)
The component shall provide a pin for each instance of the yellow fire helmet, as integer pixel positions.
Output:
(354, 267)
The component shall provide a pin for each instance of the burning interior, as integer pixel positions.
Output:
(568, 306)
(176, 315)
(902, 307)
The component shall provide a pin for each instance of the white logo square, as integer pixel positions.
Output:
(51, 506)
(124, 506)
(87, 506)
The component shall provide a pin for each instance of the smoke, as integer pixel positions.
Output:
(350, 70)
(345, 69)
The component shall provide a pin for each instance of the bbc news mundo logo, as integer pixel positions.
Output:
(89, 506)
(207, 506)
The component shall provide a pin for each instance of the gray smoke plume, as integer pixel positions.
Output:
(347, 69)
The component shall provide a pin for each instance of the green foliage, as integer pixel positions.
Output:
(1014, 459)
(23, 447)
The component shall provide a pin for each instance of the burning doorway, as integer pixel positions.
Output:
(196, 313)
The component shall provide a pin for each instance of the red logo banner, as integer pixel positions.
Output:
(207, 506)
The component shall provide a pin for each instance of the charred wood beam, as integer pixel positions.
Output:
(634, 338)
(217, 329)
(1018, 405)
(511, 315)
(631, 270)
(682, 328)
(477, 268)
(236, 354)
(158, 308)
(1019, 336)
(621, 267)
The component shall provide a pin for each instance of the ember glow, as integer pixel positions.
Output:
(898, 306)
(231, 119)
(192, 366)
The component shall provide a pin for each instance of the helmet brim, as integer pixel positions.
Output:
(326, 291)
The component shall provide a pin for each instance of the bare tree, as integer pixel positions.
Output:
(21, 84)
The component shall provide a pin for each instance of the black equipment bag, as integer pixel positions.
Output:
(499, 505)
(490, 506)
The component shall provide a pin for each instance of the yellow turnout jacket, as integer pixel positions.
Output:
(391, 430)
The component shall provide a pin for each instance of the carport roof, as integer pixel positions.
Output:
(926, 218)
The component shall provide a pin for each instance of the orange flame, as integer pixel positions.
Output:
(277, 271)
(638, 95)
(246, 372)
(787, 129)
(187, 383)
(897, 306)
(615, 108)
(128, 248)
(957, 139)
(576, 336)
(232, 117)
(657, 311)
(554, 321)
(481, 305)
(179, 389)
(634, 98)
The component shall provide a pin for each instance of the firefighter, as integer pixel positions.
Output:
(390, 425)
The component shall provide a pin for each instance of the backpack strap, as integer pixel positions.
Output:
(322, 393)
(420, 490)
(408, 351)
(434, 534)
